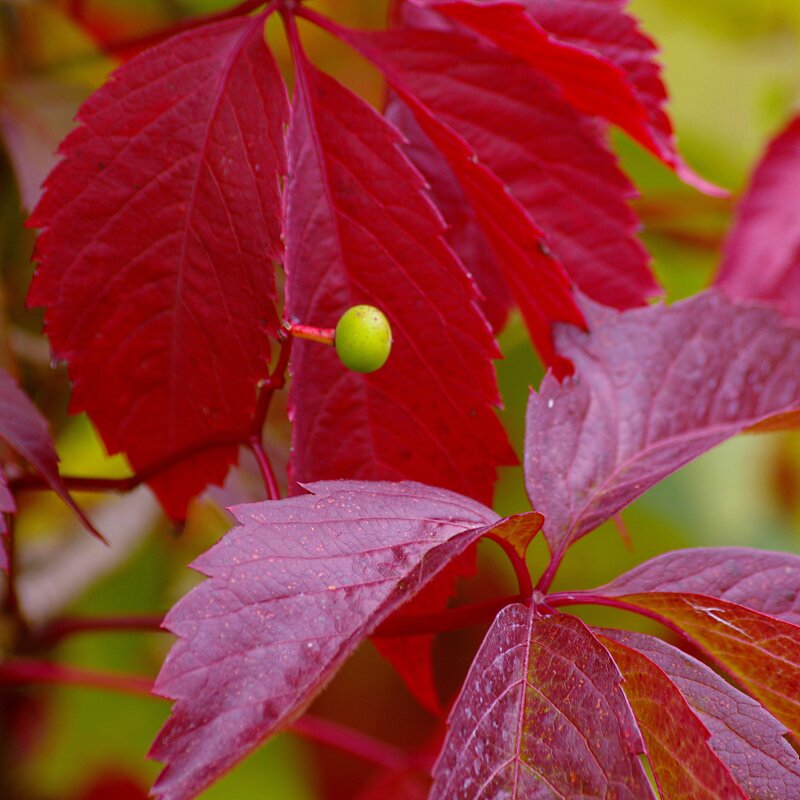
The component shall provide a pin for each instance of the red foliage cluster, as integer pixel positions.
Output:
(486, 183)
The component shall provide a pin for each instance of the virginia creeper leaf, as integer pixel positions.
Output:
(762, 253)
(746, 738)
(684, 764)
(360, 230)
(537, 281)
(541, 714)
(765, 581)
(463, 231)
(605, 30)
(518, 531)
(654, 388)
(26, 431)
(553, 160)
(291, 592)
(160, 228)
(761, 652)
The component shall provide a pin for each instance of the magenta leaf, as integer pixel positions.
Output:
(654, 388)
(160, 228)
(537, 280)
(360, 230)
(26, 431)
(744, 736)
(291, 593)
(606, 31)
(541, 714)
(762, 254)
(765, 581)
(553, 160)
(684, 764)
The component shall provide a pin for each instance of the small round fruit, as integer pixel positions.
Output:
(363, 338)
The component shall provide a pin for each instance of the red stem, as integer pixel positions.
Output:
(550, 572)
(311, 333)
(22, 671)
(68, 626)
(518, 562)
(35, 482)
(350, 741)
(265, 468)
(450, 619)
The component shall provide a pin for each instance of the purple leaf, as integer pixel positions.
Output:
(27, 433)
(762, 254)
(654, 388)
(746, 738)
(765, 581)
(291, 593)
(684, 764)
(541, 714)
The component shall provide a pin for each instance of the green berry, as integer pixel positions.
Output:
(363, 338)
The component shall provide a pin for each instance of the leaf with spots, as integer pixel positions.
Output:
(542, 714)
(291, 592)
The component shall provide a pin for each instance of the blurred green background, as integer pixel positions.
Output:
(733, 70)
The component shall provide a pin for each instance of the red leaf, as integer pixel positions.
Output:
(762, 254)
(292, 592)
(654, 388)
(602, 28)
(745, 737)
(684, 764)
(538, 282)
(160, 228)
(360, 230)
(541, 714)
(761, 652)
(765, 581)
(463, 232)
(553, 160)
(26, 431)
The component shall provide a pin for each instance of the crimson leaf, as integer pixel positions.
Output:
(605, 30)
(541, 714)
(160, 226)
(683, 761)
(765, 581)
(538, 282)
(291, 593)
(761, 652)
(762, 254)
(26, 431)
(463, 232)
(360, 230)
(654, 388)
(553, 159)
(746, 738)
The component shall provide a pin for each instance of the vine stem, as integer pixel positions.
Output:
(312, 333)
(450, 619)
(65, 627)
(518, 563)
(22, 671)
(350, 741)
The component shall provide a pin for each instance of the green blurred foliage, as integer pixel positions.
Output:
(733, 69)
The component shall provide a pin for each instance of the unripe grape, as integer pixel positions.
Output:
(363, 338)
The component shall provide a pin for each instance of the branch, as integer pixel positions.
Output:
(22, 671)
(450, 619)
(62, 628)
(351, 741)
